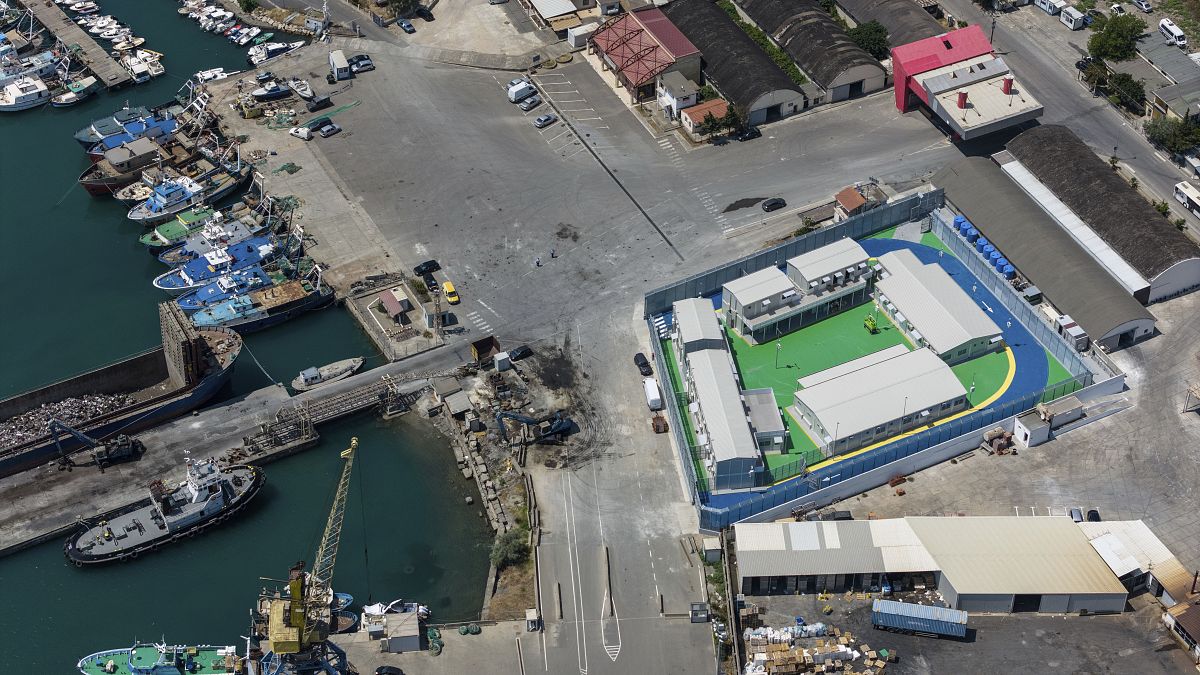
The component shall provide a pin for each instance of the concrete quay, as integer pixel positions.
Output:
(45, 503)
(97, 60)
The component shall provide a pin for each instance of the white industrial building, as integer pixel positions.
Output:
(932, 310)
(870, 400)
(981, 564)
(696, 327)
(818, 284)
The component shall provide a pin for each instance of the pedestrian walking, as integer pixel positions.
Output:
(537, 262)
(553, 254)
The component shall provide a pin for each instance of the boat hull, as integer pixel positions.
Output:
(81, 559)
(129, 420)
(314, 302)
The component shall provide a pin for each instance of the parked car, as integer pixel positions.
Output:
(1082, 64)
(423, 12)
(301, 132)
(643, 364)
(431, 284)
(318, 103)
(388, 670)
(451, 293)
(427, 267)
(328, 129)
(531, 103)
(1077, 515)
(518, 353)
(773, 204)
(360, 63)
(1116, 9)
(748, 133)
(1143, 5)
(545, 120)
(497, 2)
(1093, 516)
(406, 26)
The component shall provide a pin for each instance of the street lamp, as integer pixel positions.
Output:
(778, 348)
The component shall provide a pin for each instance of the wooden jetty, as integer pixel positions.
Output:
(97, 60)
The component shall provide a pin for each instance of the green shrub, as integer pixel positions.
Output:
(510, 548)
(780, 57)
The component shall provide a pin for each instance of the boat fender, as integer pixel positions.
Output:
(191, 533)
(133, 555)
(77, 563)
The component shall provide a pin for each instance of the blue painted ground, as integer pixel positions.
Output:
(1032, 368)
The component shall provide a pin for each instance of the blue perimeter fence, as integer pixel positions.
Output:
(929, 205)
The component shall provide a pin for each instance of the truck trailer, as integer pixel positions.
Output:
(906, 617)
(653, 397)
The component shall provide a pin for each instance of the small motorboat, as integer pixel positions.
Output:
(211, 74)
(229, 31)
(248, 36)
(264, 76)
(116, 34)
(311, 378)
(77, 91)
(136, 67)
(301, 87)
(85, 8)
(344, 621)
(129, 43)
(153, 61)
(271, 91)
(342, 601)
(263, 38)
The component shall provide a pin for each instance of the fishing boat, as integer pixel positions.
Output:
(344, 621)
(261, 309)
(173, 232)
(227, 286)
(311, 378)
(259, 54)
(125, 164)
(43, 64)
(301, 87)
(199, 272)
(341, 601)
(77, 92)
(263, 38)
(217, 233)
(208, 495)
(136, 67)
(144, 658)
(129, 43)
(173, 195)
(85, 8)
(23, 94)
(271, 91)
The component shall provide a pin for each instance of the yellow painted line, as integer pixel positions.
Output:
(1012, 373)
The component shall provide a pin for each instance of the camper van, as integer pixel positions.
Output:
(1172, 33)
(1072, 18)
(338, 66)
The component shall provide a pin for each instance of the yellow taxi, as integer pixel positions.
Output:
(451, 294)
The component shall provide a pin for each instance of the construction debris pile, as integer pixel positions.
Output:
(72, 412)
(771, 650)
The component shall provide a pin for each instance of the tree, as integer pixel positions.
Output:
(872, 37)
(1096, 73)
(709, 125)
(1117, 41)
(1134, 182)
(732, 119)
(403, 8)
(1163, 207)
(1174, 135)
(1131, 92)
(510, 548)
(247, 5)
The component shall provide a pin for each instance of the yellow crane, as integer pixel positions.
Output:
(298, 623)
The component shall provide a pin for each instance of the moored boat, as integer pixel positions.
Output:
(23, 94)
(271, 91)
(264, 308)
(40, 65)
(301, 87)
(122, 165)
(226, 287)
(311, 378)
(209, 495)
(77, 92)
(344, 621)
(177, 194)
(144, 658)
(259, 54)
(342, 601)
(199, 272)
(217, 233)
(263, 38)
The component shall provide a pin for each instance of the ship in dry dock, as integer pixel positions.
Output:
(134, 394)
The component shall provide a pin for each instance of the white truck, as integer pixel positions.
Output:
(653, 395)
(520, 91)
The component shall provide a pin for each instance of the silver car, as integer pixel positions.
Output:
(531, 103)
(545, 120)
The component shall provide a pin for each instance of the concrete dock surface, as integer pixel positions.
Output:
(95, 57)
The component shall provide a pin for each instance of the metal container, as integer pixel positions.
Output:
(972, 234)
(1009, 272)
(980, 243)
(907, 617)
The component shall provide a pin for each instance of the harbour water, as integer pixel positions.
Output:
(78, 295)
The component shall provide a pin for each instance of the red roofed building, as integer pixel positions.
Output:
(958, 76)
(639, 46)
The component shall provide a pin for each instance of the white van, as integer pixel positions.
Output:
(520, 91)
(1072, 18)
(338, 65)
(1172, 33)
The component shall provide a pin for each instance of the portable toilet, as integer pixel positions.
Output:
(1009, 271)
(972, 234)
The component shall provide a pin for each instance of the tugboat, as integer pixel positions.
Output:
(311, 378)
(208, 496)
(147, 658)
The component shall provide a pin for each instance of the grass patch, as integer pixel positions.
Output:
(931, 240)
(688, 432)
(1185, 13)
(780, 57)
(1057, 372)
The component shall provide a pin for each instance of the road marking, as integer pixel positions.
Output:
(582, 119)
(576, 577)
(564, 131)
(520, 655)
(485, 306)
(573, 100)
(573, 153)
(1160, 156)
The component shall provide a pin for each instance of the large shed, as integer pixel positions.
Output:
(1124, 219)
(819, 46)
(641, 45)
(1044, 253)
(735, 64)
(905, 20)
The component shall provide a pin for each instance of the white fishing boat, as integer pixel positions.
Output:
(153, 61)
(311, 378)
(137, 68)
(23, 94)
(248, 36)
(85, 8)
(259, 54)
(301, 87)
(129, 43)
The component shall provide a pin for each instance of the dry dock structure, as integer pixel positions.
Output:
(97, 60)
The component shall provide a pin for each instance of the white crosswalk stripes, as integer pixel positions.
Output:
(480, 324)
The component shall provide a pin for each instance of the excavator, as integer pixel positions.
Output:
(119, 449)
(559, 424)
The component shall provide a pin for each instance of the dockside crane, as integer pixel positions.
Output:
(298, 626)
(118, 449)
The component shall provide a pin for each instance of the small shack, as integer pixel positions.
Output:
(444, 387)
(484, 349)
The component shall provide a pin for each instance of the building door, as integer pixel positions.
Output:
(1027, 603)
(856, 89)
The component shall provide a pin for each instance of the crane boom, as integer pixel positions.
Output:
(56, 427)
(327, 551)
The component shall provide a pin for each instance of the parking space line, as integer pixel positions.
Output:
(574, 153)
(576, 109)
(564, 131)
(582, 119)
(573, 100)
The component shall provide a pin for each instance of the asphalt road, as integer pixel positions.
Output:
(1047, 68)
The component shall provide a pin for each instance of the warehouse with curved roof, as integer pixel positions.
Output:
(819, 46)
(905, 20)
(1044, 253)
(735, 64)
(1126, 222)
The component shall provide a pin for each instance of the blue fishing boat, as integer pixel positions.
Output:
(227, 286)
(130, 123)
(216, 233)
(199, 272)
(267, 307)
(174, 195)
(158, 126)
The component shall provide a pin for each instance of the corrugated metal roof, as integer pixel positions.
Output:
(1150, 553)
(1114, 554)
(759, 286)
(552, 8)
(932, 302)
(1008, 555)
(720, 401)
(933, 51)
(905, 384)
(831, 258)
(697, 320)
(924, 611)
(764, 410)
(665, 32)
(1085, 236)
(829, 547)
(852, 366)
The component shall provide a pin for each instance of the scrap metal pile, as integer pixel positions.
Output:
(72, 412)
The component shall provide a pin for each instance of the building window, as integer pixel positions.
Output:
(907, 419)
